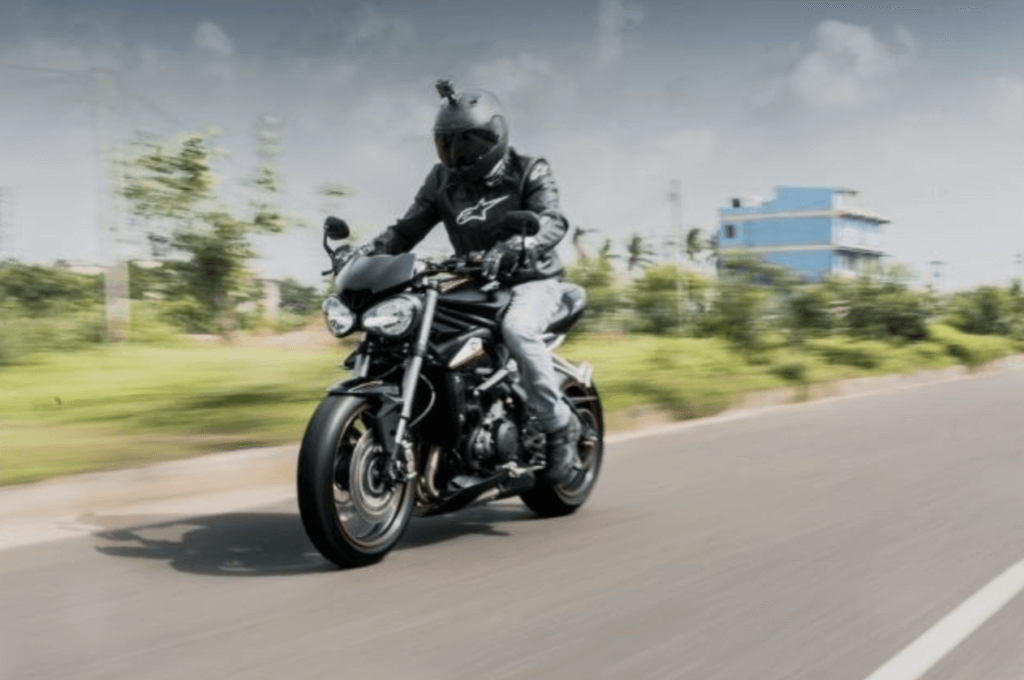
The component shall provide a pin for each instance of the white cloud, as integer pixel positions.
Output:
(217, 49)
(848, 67)
(211, 38)
(613, 18)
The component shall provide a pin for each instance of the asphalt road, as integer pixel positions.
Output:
(811, 542)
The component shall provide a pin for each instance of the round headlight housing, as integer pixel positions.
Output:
(340, 319)
(392, 318)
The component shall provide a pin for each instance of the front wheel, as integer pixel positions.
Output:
(553, 500)
(349, 510)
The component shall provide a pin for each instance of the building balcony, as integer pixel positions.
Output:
(852, 237)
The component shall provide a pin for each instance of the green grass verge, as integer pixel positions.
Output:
(111, 407)
(115, 406)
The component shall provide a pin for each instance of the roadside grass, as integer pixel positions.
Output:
(116, 406)
(690, 378)
(110, 407)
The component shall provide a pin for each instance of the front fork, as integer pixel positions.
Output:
(403, 448)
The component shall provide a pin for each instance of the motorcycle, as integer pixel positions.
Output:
(434, 417)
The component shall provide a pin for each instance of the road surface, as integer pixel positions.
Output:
(818, 541)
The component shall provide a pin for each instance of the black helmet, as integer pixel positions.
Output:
(470, 131)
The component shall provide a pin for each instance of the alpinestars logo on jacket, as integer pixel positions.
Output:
(479, 211)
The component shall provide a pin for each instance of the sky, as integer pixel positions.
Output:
(918, 106)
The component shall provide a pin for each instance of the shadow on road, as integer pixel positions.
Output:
(271, 544)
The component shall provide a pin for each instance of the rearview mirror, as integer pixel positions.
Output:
(521, 222)
(336, 229)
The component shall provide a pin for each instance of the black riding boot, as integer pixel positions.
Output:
(561, 447)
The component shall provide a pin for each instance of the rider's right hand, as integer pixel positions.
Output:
(502, 257)
(367, 249)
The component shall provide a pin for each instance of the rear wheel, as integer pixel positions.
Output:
(350, 511)
(553, 500)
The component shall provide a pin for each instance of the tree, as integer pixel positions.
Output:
(639, 253)
(266, 182)
(655, 299)
(299, 299)
(597, 276)
(577, 241)
(694, 243)
(171, 185)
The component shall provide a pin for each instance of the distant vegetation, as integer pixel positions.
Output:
(678, 342)
(754, 305)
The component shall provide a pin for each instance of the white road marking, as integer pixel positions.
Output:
(954, 628)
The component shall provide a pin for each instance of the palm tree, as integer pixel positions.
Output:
(577, 241)
(694, 243)
(639, 253)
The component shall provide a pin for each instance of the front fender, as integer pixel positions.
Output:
(366, 387)
(386, 398)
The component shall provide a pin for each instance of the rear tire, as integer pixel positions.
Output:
(555, 500)
(348, 511)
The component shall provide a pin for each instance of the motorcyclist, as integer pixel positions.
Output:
(481, 178)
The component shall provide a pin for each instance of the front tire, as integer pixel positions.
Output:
(555, 500)
(350, 513)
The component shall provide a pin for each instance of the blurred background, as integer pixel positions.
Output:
(165, 170)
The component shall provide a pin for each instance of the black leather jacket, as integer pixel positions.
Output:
(472, 212)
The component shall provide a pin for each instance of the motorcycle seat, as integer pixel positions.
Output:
(571, 307)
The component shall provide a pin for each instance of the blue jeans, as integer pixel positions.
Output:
(532, 308)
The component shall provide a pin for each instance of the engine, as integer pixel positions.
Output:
(495, 440)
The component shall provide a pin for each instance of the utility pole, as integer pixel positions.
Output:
(675, 197)
(118, 306)
(107, 97)
(1019, 260)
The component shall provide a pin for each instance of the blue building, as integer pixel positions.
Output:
(814, 231)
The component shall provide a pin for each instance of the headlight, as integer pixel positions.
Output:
(393, 317)
(340, 319)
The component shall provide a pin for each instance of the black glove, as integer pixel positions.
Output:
(501, 258)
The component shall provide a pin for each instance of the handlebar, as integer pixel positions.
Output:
(471, 263)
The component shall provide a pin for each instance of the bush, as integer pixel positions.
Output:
(737, 311)
(883, 309)
(971, 349)
(987, 310)
(861, 354)
(811, 310)
(188, 315)
(38, 289)
(666, 299)
(148, 326)
(67, 329)
(299, 300)
(597, 277)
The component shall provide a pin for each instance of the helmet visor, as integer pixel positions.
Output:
(464, 148)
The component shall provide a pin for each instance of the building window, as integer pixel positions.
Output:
(730, 231)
